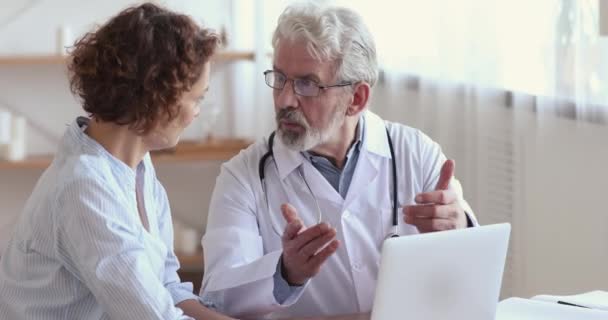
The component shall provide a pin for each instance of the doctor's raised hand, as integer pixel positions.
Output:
(437, 210)
(304, 249)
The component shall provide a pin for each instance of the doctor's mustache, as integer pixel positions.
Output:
(292, 115)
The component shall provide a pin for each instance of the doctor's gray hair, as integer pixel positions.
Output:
(333, 34)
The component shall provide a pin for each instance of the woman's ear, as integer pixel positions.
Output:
(359, 99)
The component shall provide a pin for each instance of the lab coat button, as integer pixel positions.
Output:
(356, 266)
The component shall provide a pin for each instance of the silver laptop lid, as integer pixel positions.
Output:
(444, 275)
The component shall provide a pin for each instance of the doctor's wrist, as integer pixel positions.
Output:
(291, 280)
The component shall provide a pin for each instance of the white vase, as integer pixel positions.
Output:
(64, 40)
(17, 145)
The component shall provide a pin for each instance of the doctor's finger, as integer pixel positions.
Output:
(291, 230)
(311, 233)
(438, 196)
(445, 175)
(318, 243)
(318, 259)
(431, 225)
(289, 213)
(430, 211)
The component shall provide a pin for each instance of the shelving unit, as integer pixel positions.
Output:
(191, 269)
(190, 262)
(23, 60)
(216, 149)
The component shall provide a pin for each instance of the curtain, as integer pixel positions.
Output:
(550, 49)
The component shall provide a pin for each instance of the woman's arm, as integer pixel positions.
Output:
(98, 240)
(196, 310)
(180, 291)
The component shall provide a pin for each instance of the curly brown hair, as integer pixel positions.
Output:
(134, 69)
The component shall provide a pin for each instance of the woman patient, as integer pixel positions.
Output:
(95, 238)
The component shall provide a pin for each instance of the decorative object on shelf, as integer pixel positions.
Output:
(208, 118)
(64, 40)
(224, 36)
(186, 240)
(5, 132)
(15, 148)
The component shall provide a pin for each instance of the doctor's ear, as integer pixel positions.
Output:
(361, 92)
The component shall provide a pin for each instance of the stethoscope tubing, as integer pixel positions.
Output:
(270, 154)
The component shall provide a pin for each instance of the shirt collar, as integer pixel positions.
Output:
(376, 141)
(360, 134)
(77, 138)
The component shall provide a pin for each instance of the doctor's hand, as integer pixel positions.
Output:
(304, 249)
(437, 210)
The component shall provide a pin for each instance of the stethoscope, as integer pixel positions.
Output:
(270, 153)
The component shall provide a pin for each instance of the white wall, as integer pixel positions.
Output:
(566, 217)
(34, 30)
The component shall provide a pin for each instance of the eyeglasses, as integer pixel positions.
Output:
(302, 87)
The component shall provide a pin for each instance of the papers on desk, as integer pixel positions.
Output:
(547, 308)
(594, 299)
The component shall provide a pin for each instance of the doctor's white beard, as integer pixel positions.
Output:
(311, 137)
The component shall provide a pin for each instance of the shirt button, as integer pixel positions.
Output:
(345, 215)
(357, 266)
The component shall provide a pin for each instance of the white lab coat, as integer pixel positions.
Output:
(242, 249)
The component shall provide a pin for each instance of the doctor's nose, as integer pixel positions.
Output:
(286, 97)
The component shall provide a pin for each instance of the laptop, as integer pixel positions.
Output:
(443, 275)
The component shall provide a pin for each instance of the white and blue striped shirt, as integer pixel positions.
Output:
(80, 251)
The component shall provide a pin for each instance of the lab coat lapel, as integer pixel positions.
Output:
(365, 173)
(374, 151)
(287, 160)
(289, 163)
(319, 185)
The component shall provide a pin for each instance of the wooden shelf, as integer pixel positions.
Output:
(31, 60)
(190, 262)
(191, 269)
(34, 162)
(235, 56)
(216, 149)
(17, 60)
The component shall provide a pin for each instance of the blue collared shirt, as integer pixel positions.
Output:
(80, 251)
(340, 178)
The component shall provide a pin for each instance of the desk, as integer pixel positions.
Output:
(360, 316)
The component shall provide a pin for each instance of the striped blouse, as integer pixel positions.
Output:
(80, 251)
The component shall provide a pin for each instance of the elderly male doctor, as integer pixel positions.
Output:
(296, 221)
